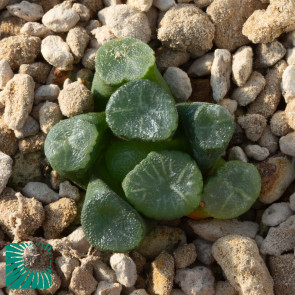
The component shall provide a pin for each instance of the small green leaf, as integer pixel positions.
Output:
(165, 185)
(110, 223)
(232, 190)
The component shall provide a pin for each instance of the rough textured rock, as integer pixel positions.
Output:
(192, 30)
(213, 229)
(37, 70)
(277, 173)
(246, 94)
(65, 266)
(58, 216)
(162, 238)
(162, 274)
(242, 65)
(220, 73)
(225, 288)
(253, 124)
(287, 85)
(282, 269)
(279, 124)
(263, 26)
(124, 268)
(5, 170)
(102, 272)
(32, 143)
(242, 264)
(19, 214)
(266, 55)
(125, 21)
(17, 50)
(141, 5)
(57, 53)
(268, 100)
(19, 100)
(49, 115)
(5, 73)
(78, 241)
(276, 213)
(106, 288)
(88, 59)
(185, 255)
(60, 19)
(290, 114)
(75, 99)
(31, 127)
(35, 29)
(229, 17)
(83, 11)
(280, 239)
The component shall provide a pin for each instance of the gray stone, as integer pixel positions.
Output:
(26, 10)
(256, 152)
(203, 248)
(67, 190)
(276, 213)
(237, 153)
(31, 127)
(287, 144)
(46, 92)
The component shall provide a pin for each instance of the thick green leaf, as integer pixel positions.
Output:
(110, 223)
(165, 185)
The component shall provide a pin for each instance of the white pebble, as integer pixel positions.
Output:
(201, 66)
(179, 83)
(102, 272)
(46, 92)
(60, 19)
(163, 5)
(88, 60)
(287, 84)
(65, 266)
(40, 191)
(103, 34)
(6, 73)
(256, 152)
(35, 29)
(124, 268)
(66, 190)
(276, 213)
(26, 10)
(290, 57)
(5, 170)
(57, 53)
(31, 127)
(78, 241)
(49, 115)
(242, 65)
(197, 280)
(287, 144)
(141, 5)
(220, 73)
(246, 94)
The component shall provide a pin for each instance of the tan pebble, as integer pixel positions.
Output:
(256, 152)
(247, 94)
(277, 173)
(64, 267)
(290, 114)
(103, 272)
(290, 56)
(83, 12)
(213, 229)
(49, 115)
(78, 241)
(243, 266)
(268, 100)
(263, 26)
(201, 66)
(287, 85)
(8, 141)
(59, 215)
(38, 71)
(103, 34)
(77, 39)
(82, 281)
(242, 65)
(31, 127)
(5, 73)
(152, 15)
(32, 143)
(279, 124)
(203, 3)
(141, 5)
(167, 57)
(185, 255)
(31, 213)
(139, 260)
(19, 100)
(94, 6)
(287, 144)
(282, 269)
(162, 274)
(266, 55)
(229, 104)
(19, 50)
(35, 29)
(88, 59)
(11, 26)
(192, 30)
(229, 17)
(253, 124)
(26, 10)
